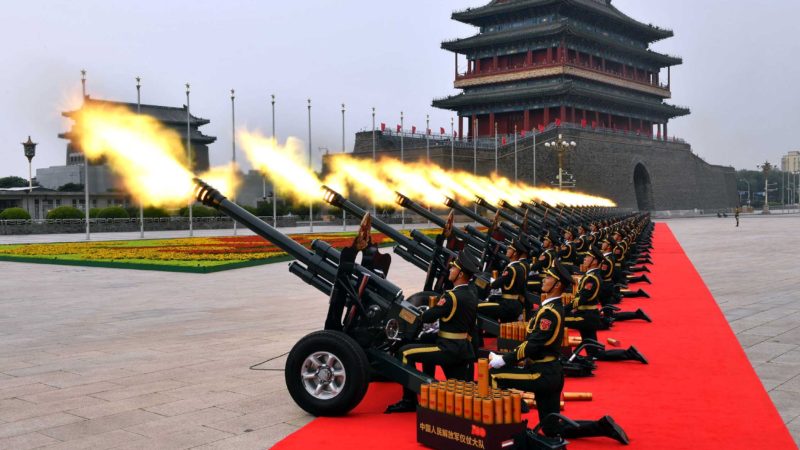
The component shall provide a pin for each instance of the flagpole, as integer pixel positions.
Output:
(274, 192)
(403, 160)
(344, 150)
(495, 147)
(374, 206)
(189, 155)
(475, 152)
(515, 153)
(233, 147)
(452, 145)
(310, 202)
(139, 111)
(428, 138)
(534, 156)
(85, 166)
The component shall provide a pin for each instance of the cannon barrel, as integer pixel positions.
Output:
(411, 205)
(450, 203)
(317, 270)
(418, 250)
(506, 215)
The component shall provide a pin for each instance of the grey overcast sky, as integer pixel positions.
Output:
(739, 77)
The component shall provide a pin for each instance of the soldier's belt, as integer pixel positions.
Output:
(586, 308)
(546, 359)
(511, 296)
(567, 263)
(453, 336)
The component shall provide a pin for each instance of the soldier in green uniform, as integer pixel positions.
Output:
(456, 311)
(585, 312)
(542, 372)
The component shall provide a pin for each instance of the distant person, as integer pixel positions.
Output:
(736, 215)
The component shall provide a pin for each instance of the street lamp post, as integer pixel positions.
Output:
(139, 111)
(85, 166)
(30, 151)
(403, 160)
(561, 146)
(264, 178)
(310, 202)
(766, 168)
(344, 150)
(452, 145)
(189, 154)
(233, 145)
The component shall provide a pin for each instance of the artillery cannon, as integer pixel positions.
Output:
(327, 372)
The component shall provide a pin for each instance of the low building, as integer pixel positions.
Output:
(39, 201)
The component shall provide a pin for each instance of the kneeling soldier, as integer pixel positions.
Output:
(508, 306)
(456, 312)
(542, 372)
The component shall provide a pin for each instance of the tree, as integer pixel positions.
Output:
(14, 214)
(71, 187)
(12, 182)
(199, 211)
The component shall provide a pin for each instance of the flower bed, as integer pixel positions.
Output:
(180, 255)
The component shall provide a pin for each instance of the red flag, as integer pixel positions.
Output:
(522, 133)
(503, 140)
(441, 130)
(399, 128)
(558, 122)
(583, 123)
(413, 129)
(541, 128)
(383, 127)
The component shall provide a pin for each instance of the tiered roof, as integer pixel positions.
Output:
(562, 26)
(487, 14)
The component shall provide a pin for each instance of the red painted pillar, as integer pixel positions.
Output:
(491, 123)
(546, 116)
(549, 55)
(529, 59)
(526, 119)
(494, 62)
(478, 65)
(460, 127)
(573, 115)
(472, 131)
(597, 117)
(563, 113)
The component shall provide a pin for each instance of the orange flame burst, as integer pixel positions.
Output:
(378, 181)
(150, 158)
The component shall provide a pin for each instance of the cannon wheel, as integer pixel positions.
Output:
(327, 373)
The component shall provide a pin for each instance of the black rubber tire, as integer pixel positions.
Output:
(354, 361)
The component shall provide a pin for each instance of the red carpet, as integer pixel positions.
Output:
(699, 390)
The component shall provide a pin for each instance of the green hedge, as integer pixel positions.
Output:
(65, 212)
(113, 212)
(199, 211)
(14, 214)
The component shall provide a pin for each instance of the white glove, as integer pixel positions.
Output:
(496, 361)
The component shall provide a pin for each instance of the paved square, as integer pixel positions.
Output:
(110, 358)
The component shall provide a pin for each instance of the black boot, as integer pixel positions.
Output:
(402, 406)
(642, 315)
(613, 430)
(634, 354)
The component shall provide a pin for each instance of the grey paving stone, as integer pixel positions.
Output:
(111, 439)
(254, 440)
(92, 427)
(27, 441)
(37, 423)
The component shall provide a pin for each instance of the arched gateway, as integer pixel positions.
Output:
(644, 189)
